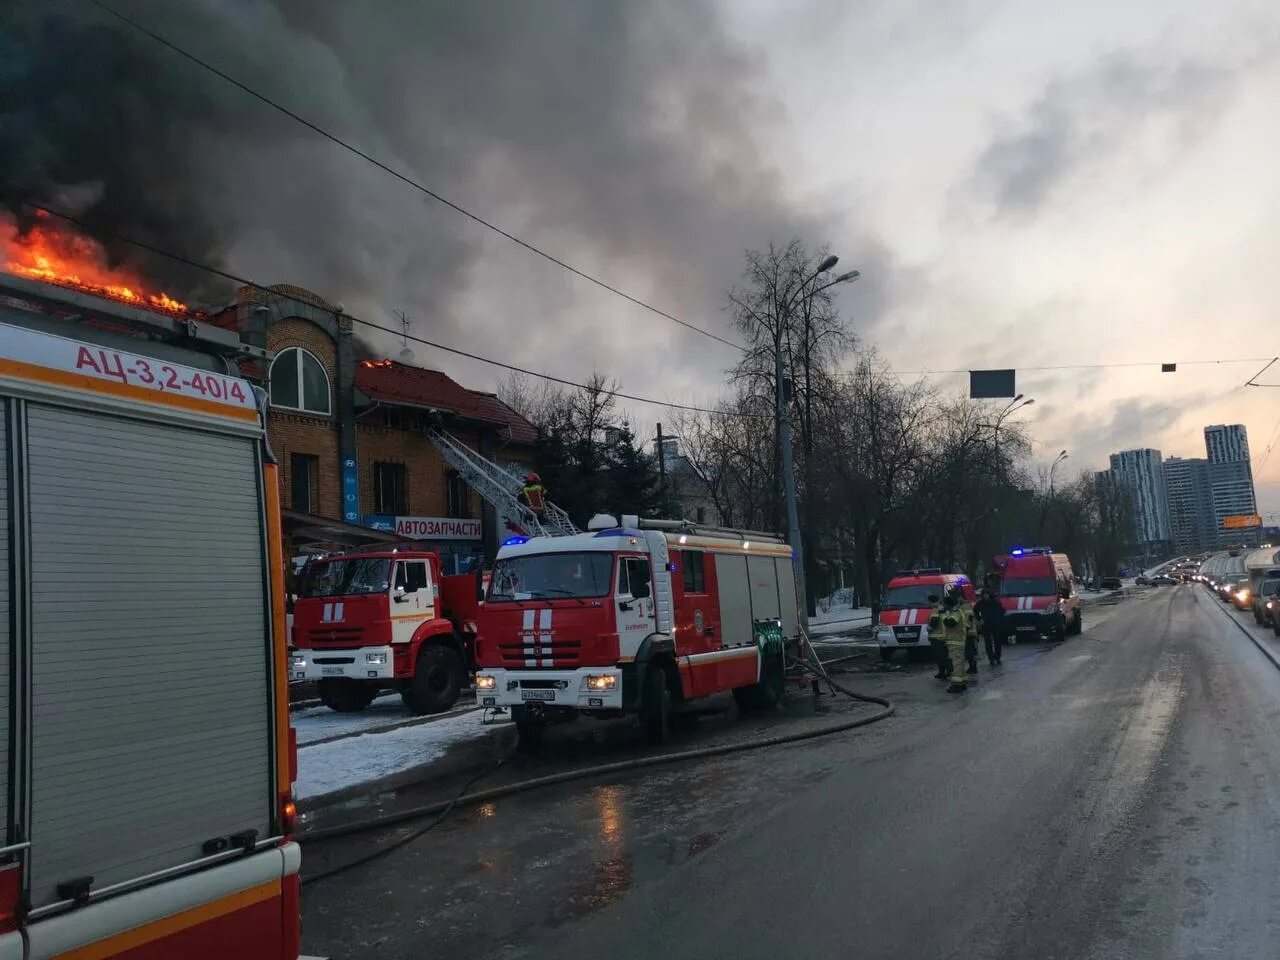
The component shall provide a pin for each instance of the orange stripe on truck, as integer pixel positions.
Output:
(279, 623)
(78, 381)
(167, 927)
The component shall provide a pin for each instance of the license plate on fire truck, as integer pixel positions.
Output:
(330, 671)
(537, 694)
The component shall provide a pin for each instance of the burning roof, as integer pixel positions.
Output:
(393, 382)
(56, 254)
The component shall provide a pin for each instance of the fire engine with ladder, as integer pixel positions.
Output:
(385, 616)
(635, 617)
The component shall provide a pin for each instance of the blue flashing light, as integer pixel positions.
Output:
(1016, 552)
(512, 541)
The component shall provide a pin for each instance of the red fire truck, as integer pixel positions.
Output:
(1038, 593)
(904, 615)
(383, 616)
(147, 767)
(638, 617)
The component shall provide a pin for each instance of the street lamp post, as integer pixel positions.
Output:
(1014, 405)
(784, 428)
(1049, 500)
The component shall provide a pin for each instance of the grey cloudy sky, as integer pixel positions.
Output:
(1022, 184)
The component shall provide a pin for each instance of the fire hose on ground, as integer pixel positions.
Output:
(809, 663)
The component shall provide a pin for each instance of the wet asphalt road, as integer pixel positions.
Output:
(1117, 795)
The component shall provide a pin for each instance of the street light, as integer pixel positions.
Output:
(784, 427)
(1061, 456)
(1048, 501)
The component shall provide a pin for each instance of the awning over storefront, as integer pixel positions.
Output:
(305, 533)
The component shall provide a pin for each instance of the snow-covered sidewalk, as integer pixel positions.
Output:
(388, 710)
(334, 765)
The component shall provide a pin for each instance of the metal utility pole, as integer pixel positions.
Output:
(662, 465)
(781, 396)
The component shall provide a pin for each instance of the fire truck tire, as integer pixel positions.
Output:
(886, 654)
(529, 730)
(766, 694)
(344, 695)
(437, 680)
(655, 705)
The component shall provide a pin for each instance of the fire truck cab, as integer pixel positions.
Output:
(1038, 593)
(380, 617)
(904, 615)
(635, 618)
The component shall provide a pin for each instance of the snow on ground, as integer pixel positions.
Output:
(328, 767)
(839, 621)
(319, 723)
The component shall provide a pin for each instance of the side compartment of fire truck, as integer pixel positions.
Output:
(137, 684)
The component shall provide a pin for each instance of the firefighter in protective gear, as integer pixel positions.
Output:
(952, 621)
(534, 494)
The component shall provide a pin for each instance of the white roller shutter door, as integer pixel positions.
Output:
(149, 657)
(764, 587)
(735, 600)
(787, 596)
(6, 640)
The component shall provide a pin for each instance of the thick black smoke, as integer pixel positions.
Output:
(620, 134)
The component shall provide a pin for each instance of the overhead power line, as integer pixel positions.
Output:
(1104, 366)
(456, 351)
(403, 177)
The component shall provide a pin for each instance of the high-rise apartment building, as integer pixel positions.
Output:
(1142, 473)
(1189, 491)
(1231, 476)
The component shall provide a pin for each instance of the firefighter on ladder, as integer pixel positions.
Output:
(952, 621)
(534, 494)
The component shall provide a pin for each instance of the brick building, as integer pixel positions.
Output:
(350, 435)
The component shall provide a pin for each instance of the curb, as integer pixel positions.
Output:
(1270, 654)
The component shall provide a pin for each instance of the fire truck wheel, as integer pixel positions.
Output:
(766, 694)
(886, 654)
(655, 707)
(529, 730)
(344, 695)
(437, 680)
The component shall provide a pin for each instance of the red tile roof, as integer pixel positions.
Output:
(392, 382)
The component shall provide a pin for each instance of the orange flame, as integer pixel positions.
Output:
(68, 259)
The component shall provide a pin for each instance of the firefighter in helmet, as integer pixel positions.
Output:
(534, 494)
(952, 621)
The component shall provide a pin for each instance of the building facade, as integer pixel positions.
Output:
(685, 483)
(1189, 490)
(1142, 473)
(351, 435)
(1231, 473)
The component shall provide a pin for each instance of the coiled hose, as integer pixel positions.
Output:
(809, 663)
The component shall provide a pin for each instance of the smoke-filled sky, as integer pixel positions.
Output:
(1020, 183)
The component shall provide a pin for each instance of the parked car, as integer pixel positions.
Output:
(1265, 600)
(1111, 583)
(1142, 581)
(1163, 580)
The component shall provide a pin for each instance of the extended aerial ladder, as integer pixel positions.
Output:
(501, 488)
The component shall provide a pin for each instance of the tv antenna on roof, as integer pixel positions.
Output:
(406, 352)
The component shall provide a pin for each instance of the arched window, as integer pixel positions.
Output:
(298, 382)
